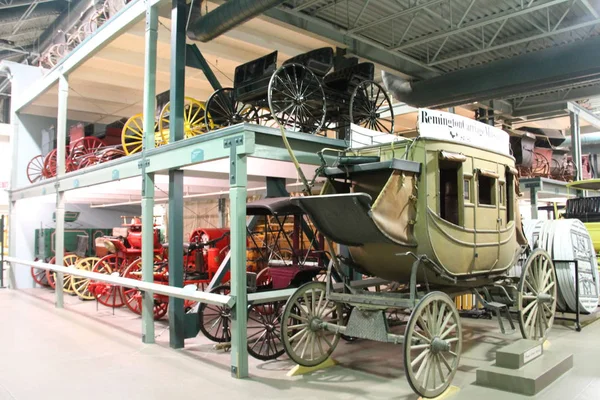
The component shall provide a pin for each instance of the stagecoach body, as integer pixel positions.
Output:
(452, 202)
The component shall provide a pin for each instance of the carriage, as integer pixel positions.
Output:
(284, 251)
(303, 95)
(438, 215)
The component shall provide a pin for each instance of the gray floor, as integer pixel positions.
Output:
(87, 352)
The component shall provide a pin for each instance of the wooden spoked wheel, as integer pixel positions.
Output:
(53, 55)
(35, 169)
(50, 164)
(223, 109)
(98, 17)
(215, 321)
(69, 260)
(264, 330)
(81, 285)
(110, 154)
(39, 276)
(296, 99)
(264, 278)
(367, 104)
(133, 297)
(108, 294)
(304, 339)
(537, 295)
(84, 152)
(132, 135)
(194, 121)
(432, 345)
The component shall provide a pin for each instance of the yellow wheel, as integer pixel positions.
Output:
(69, 261)
(194, 123)
(80, 285)
(132, 135)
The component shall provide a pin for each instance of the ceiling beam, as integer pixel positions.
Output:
(584, 114)
(571, 64)
(6, 4)
(355, 44)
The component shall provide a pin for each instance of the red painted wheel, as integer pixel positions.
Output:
(108, 294)
(35, 169)
(84, 152)
(111, 154)
(50, 166)
(39, 276)
(133, 297)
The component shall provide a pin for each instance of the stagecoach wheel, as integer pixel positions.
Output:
(194, 121)
(223, 109)
(296, 99)
(133, 297)
(81, 285)
(304, 339)
(35, 169)
(132, 135)
(215, 321)
(84, 152)
(367, 104)
(264, 331)
(537, 296)
(109, 294)
(69, 260)
(432, 345)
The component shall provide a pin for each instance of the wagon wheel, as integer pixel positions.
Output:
(35, 169)
(97, 18)
(132, 135)
(68, 261)
(39, 276)
(264, 331)
(432, 345)
(537, 296)
(111, 154)
(368, 102)
(305, 342)
(264, 279)
(223, 109)
(50, 164)
(194, 121)
(215, 321)
(81, 285)
(108, 294)
(83, 152)
(133, 297)
(54, 54)
(296, 99)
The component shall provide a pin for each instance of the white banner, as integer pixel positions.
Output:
(446, 126)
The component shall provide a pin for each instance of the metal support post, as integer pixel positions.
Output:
(148, 178)
(576, 147)
(2, 244)
(221, 212)
(178, 39)
(61, 143)
(237, 218)
(12, 249)
(176, 310)
(534, 203)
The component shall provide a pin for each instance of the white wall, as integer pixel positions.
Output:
(32, 214)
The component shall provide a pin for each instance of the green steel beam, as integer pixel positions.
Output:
(237, 217)
(177, 93)
(195, 59)
(126, 18)
(148, 178)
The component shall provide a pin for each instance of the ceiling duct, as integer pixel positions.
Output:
(227, 16)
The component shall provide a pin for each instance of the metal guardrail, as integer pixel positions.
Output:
(149, 287)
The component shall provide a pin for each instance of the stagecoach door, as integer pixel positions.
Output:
(489, 212)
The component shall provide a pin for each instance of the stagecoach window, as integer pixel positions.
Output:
(510, 193)
(486, 190)
(449, 192)
(501, 193)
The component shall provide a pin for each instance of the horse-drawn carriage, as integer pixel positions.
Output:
(303, 95)
(439, 215)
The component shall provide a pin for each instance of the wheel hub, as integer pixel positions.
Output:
(314, 324)
(544, 298)
(438, 345)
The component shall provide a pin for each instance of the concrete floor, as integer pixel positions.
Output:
(87, 352)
